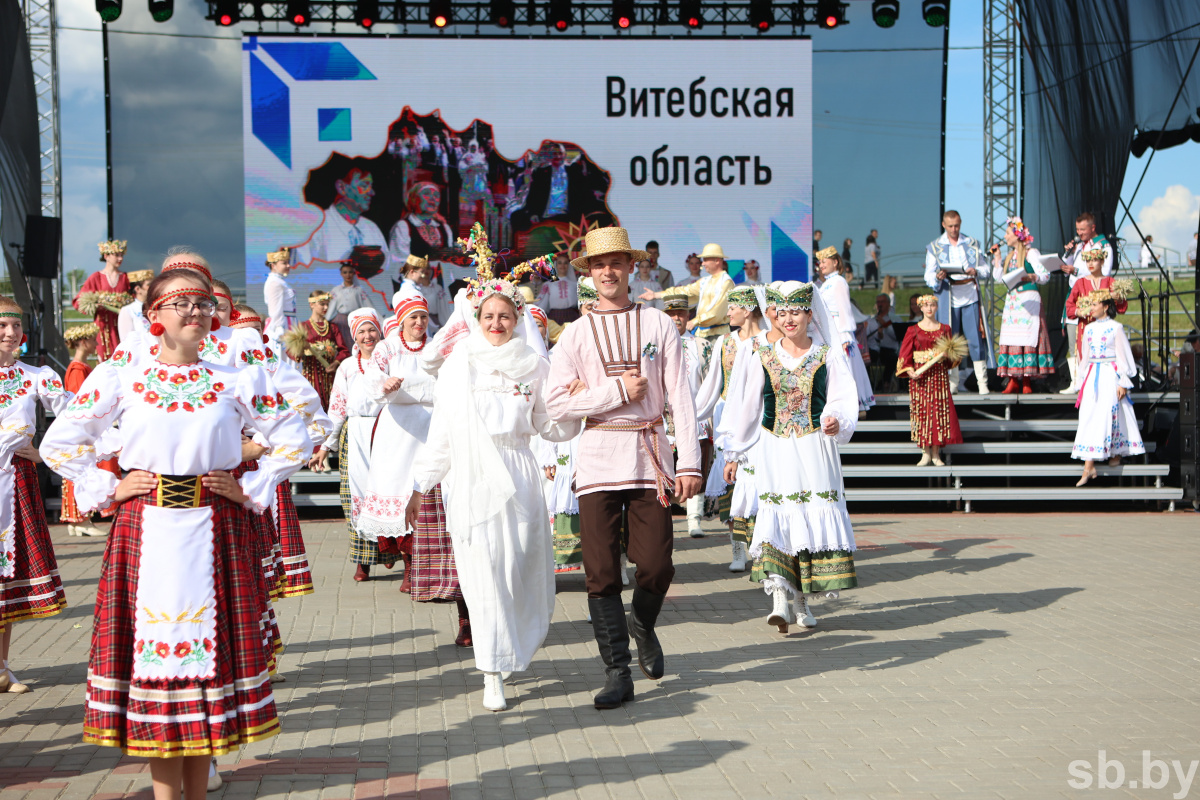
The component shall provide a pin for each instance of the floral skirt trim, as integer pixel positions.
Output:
(807, 572)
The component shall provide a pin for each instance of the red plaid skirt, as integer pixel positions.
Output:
(179, 717)
(296, 573)
(434, 576)
(35, 590)
(262, 552)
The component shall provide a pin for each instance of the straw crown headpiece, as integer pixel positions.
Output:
(487, 283)
(112, 247)
(76, 333)
(140, 275)
(828, 252)
(1095, 254)
(277, 256)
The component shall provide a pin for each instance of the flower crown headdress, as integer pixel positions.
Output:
(927, 299)
(743, 297)
(1095, 254)
(112, 247)
(1019, 230)
(800, 297)
(483, 258)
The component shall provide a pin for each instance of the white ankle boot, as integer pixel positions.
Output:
(1073, 366)
(803, 612)
(695, 509)
(739, 557)
(493, 692)
(926, 457)
(781, 614)
(981, 377)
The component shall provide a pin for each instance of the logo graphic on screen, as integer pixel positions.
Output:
(432, 183)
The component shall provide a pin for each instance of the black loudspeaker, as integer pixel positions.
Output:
(43, 236)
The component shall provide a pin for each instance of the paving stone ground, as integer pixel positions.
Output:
(982, 655)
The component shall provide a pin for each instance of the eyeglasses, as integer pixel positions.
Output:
(185, 308)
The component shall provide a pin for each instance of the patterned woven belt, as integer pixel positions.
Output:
(649, 442)
(180, 491)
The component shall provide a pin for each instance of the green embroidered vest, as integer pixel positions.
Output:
(729, 349)
(793, 399)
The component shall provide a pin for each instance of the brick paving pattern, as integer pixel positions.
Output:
(981, 656)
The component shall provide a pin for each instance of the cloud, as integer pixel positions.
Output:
(1171, 219)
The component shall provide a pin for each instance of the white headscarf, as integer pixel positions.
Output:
(760, 294)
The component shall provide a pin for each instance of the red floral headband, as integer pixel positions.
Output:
(203, 270)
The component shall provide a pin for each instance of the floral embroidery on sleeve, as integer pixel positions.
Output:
(212, 346)
(265, 405)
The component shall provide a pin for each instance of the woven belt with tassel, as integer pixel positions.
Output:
(649, 442)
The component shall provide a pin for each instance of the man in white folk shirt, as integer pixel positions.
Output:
(697, 353)
(951, 268)
(344, 226)
(1085, 239)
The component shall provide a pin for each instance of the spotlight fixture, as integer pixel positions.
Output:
(108, 10)
(298, 13)
(503, 13)
(885, 12)
(162, 10)
(830, 14)
(440, 13)
(690, 15)
(622, 14)
(936, 12)
(762, 15)
(366, 13)
(229, 12)
(560, 14)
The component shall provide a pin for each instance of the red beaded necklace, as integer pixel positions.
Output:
(411, 349)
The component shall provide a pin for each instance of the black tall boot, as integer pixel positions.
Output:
(608, 624)
(643, 613)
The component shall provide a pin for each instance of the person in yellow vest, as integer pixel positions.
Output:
(710, 294)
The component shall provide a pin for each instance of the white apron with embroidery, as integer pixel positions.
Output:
(175, 622)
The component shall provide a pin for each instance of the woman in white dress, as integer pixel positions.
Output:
(489, 403)
(835, 294)
(1024, 345)
(353, 405)
(1108, 427)
(281, 298)
(799, 402)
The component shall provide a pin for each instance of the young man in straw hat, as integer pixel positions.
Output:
(618, 367)
(710, 294)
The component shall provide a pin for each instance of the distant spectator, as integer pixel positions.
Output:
(661, 274)
(914, 310)
(644, 279)
(890, 284)
(882, 344)
(871, 259)
(1147, 253)
(1191, 253)
(846, 252)
(816, 240)
(751, 269)
(693, 267)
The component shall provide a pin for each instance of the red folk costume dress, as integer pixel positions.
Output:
(1085, 286)
(104, 299)
(933, 420)
(329, 340)
(31, 587)
(177, 666)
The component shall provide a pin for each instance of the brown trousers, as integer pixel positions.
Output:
(651, 540)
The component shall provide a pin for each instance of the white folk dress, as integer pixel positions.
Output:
(802, 502)
(711, 399)
(281, 305)
(403, 426)
(743, 504)
(1107, 426)
(1021, 323)
(836, 294)
(506, 561)
(352, 404)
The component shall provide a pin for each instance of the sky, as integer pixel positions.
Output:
(200, 185)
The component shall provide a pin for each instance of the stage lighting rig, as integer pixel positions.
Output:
(298, 12)
(560, 14)
(440, 13)
(936, 12)
(162, 10)
(503, 13)
(229, 12)
(830, 14)
(885, 12)
(762, 15)
(366, 13)
(690, 15)
(109, 10)
(622, 14)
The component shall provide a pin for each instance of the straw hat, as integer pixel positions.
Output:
(140, 275)
(712, 251)
(603, 241)
(828, 252)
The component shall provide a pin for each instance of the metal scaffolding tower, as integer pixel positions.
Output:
(42, 31)
(1001, 123)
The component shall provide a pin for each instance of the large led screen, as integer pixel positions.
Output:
(365, 149)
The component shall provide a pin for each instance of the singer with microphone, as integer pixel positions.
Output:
(952, 263)
(1086, 239)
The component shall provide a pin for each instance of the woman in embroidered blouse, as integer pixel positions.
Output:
(799, 402)
(1024, 345)
(1108, 427)
(746, 316)
(281, 298)
(177, 665)
(354, 410)
(835, 294)
(489, 403)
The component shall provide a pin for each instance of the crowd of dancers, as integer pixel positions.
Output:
(484, 459)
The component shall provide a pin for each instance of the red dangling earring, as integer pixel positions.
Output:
(216, 323)
(157, 329)
(265, 339)
(24, 338)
